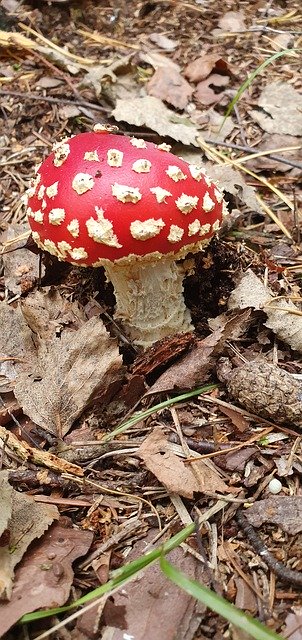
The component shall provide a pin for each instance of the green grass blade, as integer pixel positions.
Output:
(252, 77)
(142, 415)
(120, 576)
(218, 604)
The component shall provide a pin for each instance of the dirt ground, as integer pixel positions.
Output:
(85, 479)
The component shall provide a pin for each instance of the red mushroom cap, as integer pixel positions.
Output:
(100, 196)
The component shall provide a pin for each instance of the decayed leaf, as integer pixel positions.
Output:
(178, 477)
(21, 267)
(193, 368)
(169, 85)
(151, 606)
(163, 42)
(293, 624)
(47, 313)
(285, 511)
(277, 141)
(205, 93)
(281, 317)
(232, 181)
(24, 520)
(232, 21)
(16, 345)
(100, 74)
(151, 112)
(201, 68)
(280, 109)
(70, 370)
(44, 577)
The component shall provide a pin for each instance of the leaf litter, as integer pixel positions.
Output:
(45, 367)
(70, 369)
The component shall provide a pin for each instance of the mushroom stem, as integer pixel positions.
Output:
(149, 299)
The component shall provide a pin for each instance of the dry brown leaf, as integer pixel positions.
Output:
(16, 345)
(272, 142)
(193, 368)
(44, 577)
(232, 181)
(173, 473)
(21, 267)
(169, 85)
(151, 112)
(245, 599)
(293, 624)
(47, 313)
(201, 68)
(22, 520)
(238, 420)
(205, 92)
(163, 42)
(71, 369)
(151, 606)
(280, 109)
(285, 511)
(232, 21)
(281, 317)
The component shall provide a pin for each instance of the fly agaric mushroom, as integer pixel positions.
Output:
(101, 199)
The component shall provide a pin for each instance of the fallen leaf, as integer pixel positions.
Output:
(47, 313)
(210, 91)
(48, 82)
(232, 21)
(21, 267)
(245, 600)
(280, 109)
(151, 606)
(218, 127)
(281, 317)
(285, 511)
(201, 68)
(272, 142)
(44, 577)
(293, 624)
(70, 370)
(236, 460)
(68, 111)
(154, 59)
(101, 74)
(151, 112)
(173, 473)
(193, 369)
(170, 86)
(238, 420)
(16, 345)
(23, 520)
(232, 182)
(163, 42)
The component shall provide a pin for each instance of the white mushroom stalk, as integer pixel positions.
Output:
(149, 299)
(101, 199)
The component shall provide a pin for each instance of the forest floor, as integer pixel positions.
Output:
(107, 451)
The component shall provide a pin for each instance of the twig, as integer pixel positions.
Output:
(281, 570)
(34, 96)
(57, 72)
(247, 149)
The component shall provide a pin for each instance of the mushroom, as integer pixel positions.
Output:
(101, 199)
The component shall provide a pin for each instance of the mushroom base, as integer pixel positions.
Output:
(149, 300)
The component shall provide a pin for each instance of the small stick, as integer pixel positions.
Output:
(284, 573)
